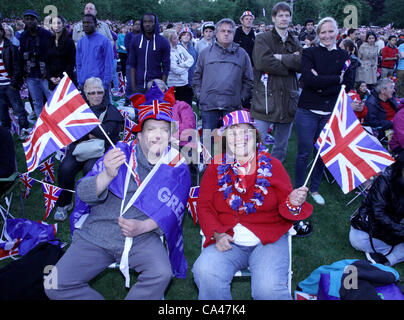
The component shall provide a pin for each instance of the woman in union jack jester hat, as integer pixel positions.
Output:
(246, 207)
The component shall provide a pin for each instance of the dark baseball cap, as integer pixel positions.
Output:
(31, 13)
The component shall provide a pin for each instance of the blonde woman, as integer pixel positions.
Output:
(180, 62)
(322, 77)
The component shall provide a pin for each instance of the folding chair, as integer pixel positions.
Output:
(246, 271)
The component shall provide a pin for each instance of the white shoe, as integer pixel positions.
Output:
(318, 198)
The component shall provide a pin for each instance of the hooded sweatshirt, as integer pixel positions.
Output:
(150, 57)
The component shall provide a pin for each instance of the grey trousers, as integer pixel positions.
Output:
(83, 261)
(282, 134)
(360, 241)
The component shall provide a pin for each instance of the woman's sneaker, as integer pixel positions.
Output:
(318, 198)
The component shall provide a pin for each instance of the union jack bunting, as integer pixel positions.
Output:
(51, 194)
(349, 152)
(48, 168)
(65, 118)
(28, 183)
(191, 204)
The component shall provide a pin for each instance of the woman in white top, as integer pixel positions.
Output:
(181, 61)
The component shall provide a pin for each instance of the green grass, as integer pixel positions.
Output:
(328, 243)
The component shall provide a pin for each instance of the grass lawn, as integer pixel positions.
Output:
(328, 243)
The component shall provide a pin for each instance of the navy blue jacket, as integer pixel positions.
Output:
(150, 57)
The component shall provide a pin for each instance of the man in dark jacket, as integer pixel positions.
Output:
(382, 107)
(10, 83)
(245, 35)
(277, 57)
(33, 44)
(149, 54)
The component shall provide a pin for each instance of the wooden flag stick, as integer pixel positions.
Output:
(328, 128)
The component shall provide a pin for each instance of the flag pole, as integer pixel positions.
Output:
(325, 136)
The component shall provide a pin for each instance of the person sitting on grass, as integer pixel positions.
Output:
(376, 227)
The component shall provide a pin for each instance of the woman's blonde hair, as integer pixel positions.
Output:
(325, 20)
(169, 34)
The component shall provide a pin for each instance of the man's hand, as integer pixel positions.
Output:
(113, 161)
(134, 227)
(223, 241)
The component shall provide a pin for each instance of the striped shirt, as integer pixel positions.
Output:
(4, 77)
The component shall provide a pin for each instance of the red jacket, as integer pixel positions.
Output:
(267, 223)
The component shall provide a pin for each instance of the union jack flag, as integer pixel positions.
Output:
(48, 168)
(191, 204)
(129, 125)
(28, 183)
(65, 118)
(15, 127)
(122, 84)
(51, 195)
(349, 152)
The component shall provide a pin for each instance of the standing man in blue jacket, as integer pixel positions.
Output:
(149, 54)
(94, 55)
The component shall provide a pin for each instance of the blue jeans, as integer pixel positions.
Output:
(9, 95)
(115, 76)
(269, 264)
(308, 126)
(282, 134)
(37, 89)
(128, 92)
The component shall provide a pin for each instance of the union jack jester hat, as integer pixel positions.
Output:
(155, 104)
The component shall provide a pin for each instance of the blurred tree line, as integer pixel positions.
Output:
(369, 12)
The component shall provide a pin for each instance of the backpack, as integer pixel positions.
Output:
(23, 279)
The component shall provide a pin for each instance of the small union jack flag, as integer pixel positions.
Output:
(48, 168)
(28, 183)
(191, 204)
(65, 118)
(122, 84)
(349, 152)
(129, 126)
(51, 194)
(15, 127)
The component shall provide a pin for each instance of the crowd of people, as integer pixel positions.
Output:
(247, 81)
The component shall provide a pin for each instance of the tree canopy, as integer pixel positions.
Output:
(375, 12)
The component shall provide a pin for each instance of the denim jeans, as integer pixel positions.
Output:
(115, 76)
(269, 264)
(308, 126)
(361, 242)
(282, 134)
(37, 89)
(8, 95)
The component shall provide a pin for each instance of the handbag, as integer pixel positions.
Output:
(90, 149)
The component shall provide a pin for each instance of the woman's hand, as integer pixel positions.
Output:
(298, 196)
(357, 105)
(134, 227)
(223, 241)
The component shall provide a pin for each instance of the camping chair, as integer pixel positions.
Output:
(246, 271)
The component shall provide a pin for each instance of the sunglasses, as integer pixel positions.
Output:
(92, 93)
